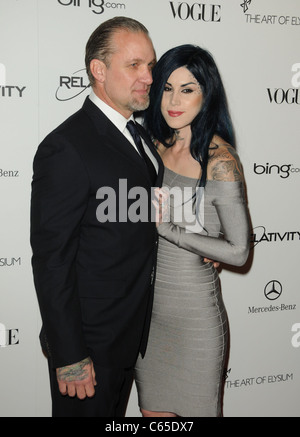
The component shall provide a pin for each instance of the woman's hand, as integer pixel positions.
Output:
(162, 206)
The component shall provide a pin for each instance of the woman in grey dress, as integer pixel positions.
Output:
(201, 213)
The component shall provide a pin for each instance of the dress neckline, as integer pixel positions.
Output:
(208, 181)
(181, 175)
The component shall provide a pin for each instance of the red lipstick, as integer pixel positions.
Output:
(174, 113)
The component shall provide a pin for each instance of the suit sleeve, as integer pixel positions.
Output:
(232, 211)
(59, 199)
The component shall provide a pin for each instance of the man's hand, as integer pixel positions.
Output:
(77, 379)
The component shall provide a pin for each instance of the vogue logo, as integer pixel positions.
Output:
(279, 95)
(196, 11)
(97, 5)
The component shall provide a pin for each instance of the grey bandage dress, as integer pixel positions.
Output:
(182, 371)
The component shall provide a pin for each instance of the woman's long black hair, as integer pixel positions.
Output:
(213, 118)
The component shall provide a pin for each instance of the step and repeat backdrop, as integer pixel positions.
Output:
(42, 81)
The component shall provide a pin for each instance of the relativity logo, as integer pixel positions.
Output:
(9, 90)
(72, 86)
(260, 234)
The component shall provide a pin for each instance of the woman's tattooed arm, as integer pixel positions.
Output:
(225, 166)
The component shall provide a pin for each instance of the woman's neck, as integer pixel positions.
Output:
(183, 138)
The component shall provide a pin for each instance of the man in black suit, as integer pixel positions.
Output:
(94, 271)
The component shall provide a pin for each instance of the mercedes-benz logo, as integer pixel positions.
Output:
(273, 290)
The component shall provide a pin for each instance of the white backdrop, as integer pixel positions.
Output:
(42, 81)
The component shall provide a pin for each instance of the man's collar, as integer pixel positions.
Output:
(114, 116)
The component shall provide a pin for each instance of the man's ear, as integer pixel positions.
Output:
(98, 70)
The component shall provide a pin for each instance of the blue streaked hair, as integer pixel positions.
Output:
(213, 118)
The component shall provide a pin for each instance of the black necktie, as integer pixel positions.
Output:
(137, 139)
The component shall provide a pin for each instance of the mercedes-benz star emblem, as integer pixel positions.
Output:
(273, 290)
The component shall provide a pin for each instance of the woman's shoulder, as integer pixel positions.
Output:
(224, 163)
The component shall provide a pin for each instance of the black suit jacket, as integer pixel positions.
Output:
(94, 280)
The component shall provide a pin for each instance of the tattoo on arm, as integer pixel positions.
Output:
(74, 372)
(227, 167)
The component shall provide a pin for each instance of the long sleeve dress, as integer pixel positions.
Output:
(182, 371)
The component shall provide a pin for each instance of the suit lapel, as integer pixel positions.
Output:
(112, 137)
(119, 143)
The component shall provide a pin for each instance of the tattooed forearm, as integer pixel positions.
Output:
(74, 372)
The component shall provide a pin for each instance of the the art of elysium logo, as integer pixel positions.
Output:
(96, 6)
(253, 16)
(8, 337)
(250, 381)
(245, 5)
(72, 86)
(10, 262)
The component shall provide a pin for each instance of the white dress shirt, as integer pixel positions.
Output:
(120, 122)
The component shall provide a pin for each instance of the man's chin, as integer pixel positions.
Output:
(139, 106)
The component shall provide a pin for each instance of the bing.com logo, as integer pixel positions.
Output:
(283, 171)
(96, 6)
